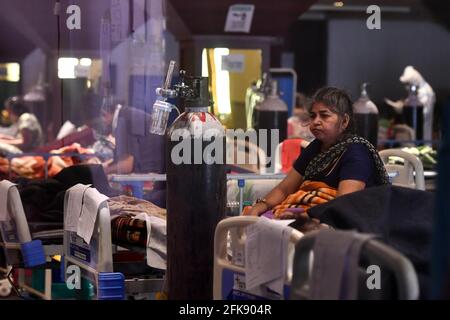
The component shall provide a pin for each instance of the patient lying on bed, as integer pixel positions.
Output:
(43, 202)
(127, 226)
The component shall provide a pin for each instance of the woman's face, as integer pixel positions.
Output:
(326, 125)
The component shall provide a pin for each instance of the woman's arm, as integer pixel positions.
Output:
(349, 186)
(357, 167)
(23, 139)
(12, 141)
(5, 137)
(288, 185)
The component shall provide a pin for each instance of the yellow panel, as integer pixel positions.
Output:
(240, 81)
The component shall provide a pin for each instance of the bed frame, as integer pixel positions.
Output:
(95, 262)
(20, 251)
(229, 274)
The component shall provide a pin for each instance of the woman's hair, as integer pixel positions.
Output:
(16, 106)
(338, 101)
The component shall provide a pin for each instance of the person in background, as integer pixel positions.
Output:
(299, 135)
(28, 134)
(102, 125)
(298, 125)
(137, 150)
(336, 163)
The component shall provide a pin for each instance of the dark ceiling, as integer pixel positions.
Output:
(27, 24)
(271, 18)
(440, 10)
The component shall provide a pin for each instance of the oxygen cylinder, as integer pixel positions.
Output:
(196, 192)
(413, 112)
(365, 113)
(270, 114)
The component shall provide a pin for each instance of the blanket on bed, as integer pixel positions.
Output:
(131, 206)
(402, 217)
(33, 167)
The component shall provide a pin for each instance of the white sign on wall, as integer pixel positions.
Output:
(239, 18)
(233, 63)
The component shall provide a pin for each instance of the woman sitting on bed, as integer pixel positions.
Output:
(337, 162)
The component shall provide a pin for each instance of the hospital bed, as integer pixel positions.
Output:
(96, 264)
(21, 249)
(400, 279)
(231, 268)
(403, 284)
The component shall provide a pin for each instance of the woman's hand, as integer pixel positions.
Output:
(287, 186)
(256, 210)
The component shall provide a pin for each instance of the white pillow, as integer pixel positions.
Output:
(66, 129)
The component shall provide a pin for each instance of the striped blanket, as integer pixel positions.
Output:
(310, 194)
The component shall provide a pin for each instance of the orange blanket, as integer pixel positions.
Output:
(33, 167)
(310, 194)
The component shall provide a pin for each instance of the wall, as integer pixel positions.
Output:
(308, 40)
(33, 65)
(357, 54)
(121, 58)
